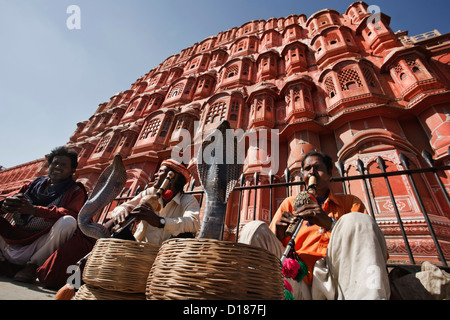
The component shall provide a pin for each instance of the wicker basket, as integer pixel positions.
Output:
(88, 292)
(206, 269)
(120, 265)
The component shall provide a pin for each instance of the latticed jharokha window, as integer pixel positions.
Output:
(216, 112)
(103, 143)
(259, 104)
(241, 45)
(204, 83)
(195, 63)
(156, 101)
(246, 69)
(329, 87)
(155, 80)
(183, 123)
(113, 144)
(349, 79)
(398, 69)
(234, 112)
(188, 88)
(231, 71)
(296, 94)
(368, 75)
(165, 127)
(176, 90)
(150, 129)
(412, 63)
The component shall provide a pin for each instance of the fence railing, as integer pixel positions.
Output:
(363, 176)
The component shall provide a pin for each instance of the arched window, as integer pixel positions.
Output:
(234, 112)
(165, 127)
(150, 129)
(241, 46)
(398, 70)
(102, 144)
(245, 69)
(329, 87)
(176, 90)
(232, 71)
(113, 144)
(349, 79)
(370, 79)
(412, 63)
(216, 112)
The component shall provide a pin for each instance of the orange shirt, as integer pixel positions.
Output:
(310, 244)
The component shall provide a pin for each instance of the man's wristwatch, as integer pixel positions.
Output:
(162, 223)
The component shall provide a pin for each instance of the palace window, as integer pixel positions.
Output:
(113, 144)
(179, 123)
(216, 112)
(234, 112)
(245, 69)
(296, 95)
(156, 101)
(349, 79)
(176, 90)
(412, 63)
(194, 63)
(232, 71)
(188, 87)
(150, 129)
(103, 143)
(368, 75)
(165, 127)
(398, 69)
(329, 87)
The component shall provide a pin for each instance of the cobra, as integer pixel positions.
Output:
(218, 179)
(110, 183)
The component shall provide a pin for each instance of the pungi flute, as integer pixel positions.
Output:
(152, 200)
(304, 197)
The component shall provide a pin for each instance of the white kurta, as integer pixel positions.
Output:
(353, 269)
(181, 214)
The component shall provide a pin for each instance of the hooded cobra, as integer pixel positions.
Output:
(217, 178)
(109, 184)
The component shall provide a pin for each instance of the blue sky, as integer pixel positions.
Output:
(52, 77)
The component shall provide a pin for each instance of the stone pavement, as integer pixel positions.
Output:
(13, 290)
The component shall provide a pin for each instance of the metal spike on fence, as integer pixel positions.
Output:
(360, 168)
(340, 167)
(287, 175)
(256, 181)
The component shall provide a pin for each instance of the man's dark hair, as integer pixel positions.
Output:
(325, 159)
(180, 182)
(64, 151)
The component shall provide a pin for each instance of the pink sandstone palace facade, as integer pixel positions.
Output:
(332, 82)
